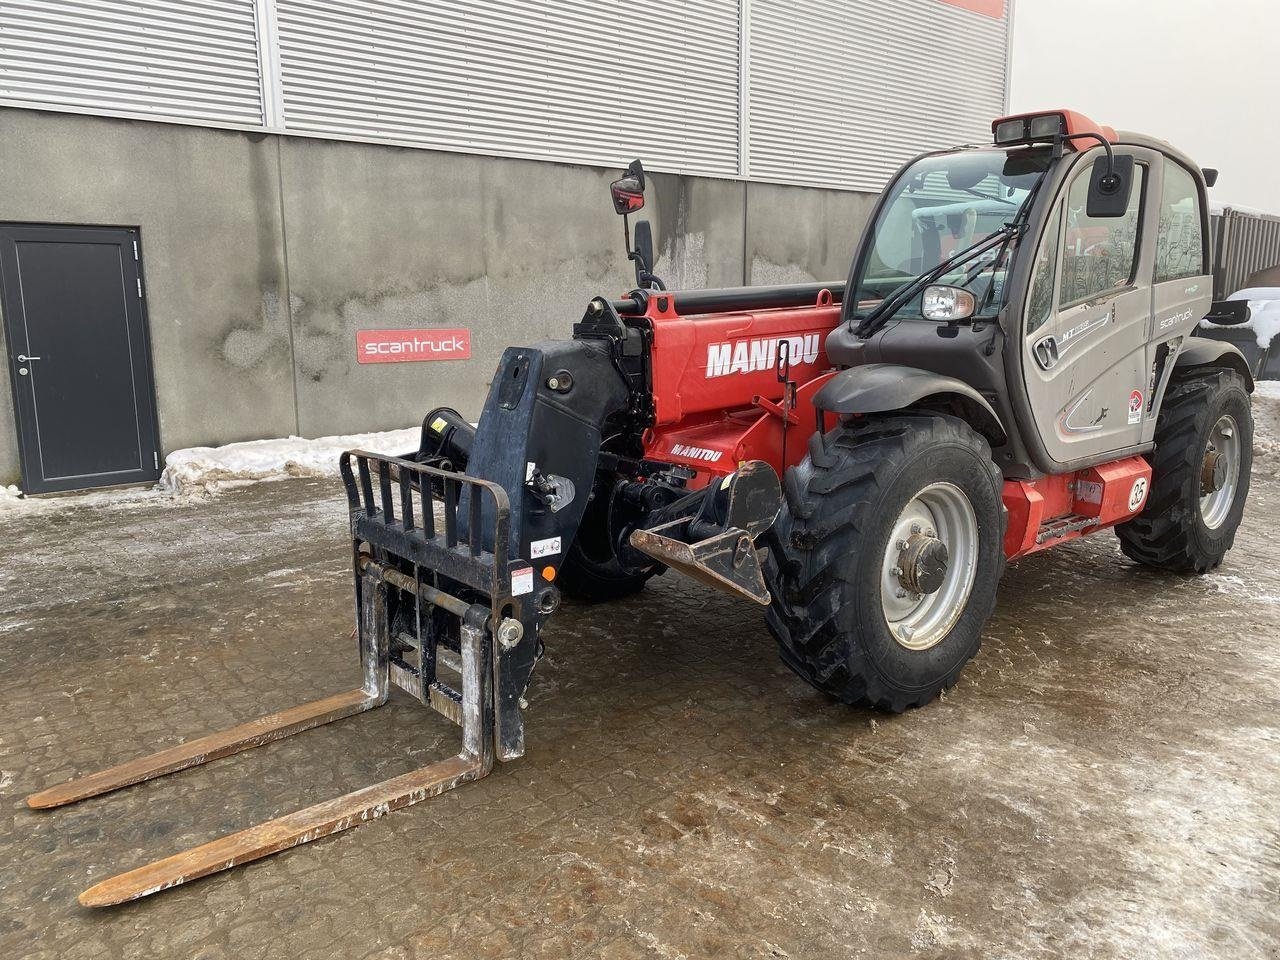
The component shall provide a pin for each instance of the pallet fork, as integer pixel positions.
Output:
(435, 619)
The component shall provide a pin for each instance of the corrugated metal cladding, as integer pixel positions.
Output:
(583, 80)
(178, 59)
(842, 92)
(1244, 244)
(833, 93)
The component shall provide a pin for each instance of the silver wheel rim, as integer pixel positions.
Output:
(919, 621)
(1224, 442)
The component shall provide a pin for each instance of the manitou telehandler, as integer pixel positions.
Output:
(1009, 366)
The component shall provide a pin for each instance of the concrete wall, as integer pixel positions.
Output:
(263, 255)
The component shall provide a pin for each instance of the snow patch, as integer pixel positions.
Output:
(215, 468)
(200, 471)
(1264, 313)
(1267, 389)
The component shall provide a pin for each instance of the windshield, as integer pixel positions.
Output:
(940, 206)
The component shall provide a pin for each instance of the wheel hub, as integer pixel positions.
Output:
(929, 564)
(922, 564)
(1220, 472)
(1213, 475)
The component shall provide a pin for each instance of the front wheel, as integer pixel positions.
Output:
(887, 555)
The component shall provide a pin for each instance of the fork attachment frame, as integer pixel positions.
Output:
(430, 607)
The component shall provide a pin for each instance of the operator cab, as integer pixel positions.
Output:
(1059, 271)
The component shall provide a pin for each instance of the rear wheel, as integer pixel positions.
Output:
(890, 543)
(1199, 476)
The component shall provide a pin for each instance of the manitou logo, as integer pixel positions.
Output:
(748, 356)
(695, 453)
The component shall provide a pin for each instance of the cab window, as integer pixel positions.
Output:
(1180, 242)
(1098, 254)
(1040, 300)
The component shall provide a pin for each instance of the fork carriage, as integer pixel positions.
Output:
(436, 619)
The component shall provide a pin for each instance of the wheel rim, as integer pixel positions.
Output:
(1221, 458)
(917, 619)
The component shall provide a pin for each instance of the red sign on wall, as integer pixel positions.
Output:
(405, 346)
(989, 8)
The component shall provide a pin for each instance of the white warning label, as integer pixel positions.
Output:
(544, 548)
(521, 581)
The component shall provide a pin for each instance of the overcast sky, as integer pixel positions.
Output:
(1202, 74)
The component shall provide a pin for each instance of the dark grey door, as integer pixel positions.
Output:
(79, 356)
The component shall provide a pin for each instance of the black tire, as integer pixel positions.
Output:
(591, 572)
(1171, 533)
(841, 506)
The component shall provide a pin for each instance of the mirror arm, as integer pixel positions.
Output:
(1109, 182)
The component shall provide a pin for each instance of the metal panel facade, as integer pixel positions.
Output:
(842, 92)
(831, 93)
(1245, 243)
(173, 59)
(575, 80)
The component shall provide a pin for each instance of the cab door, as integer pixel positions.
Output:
(1182, 288)
(1087, 319)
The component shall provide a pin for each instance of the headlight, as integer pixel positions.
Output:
(942, 302)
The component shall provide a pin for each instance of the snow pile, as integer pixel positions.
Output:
(1264, 313)
(10, 498)
(209, 469)
(1266, 428)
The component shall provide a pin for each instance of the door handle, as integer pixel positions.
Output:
(1046, 352)
(23, 358)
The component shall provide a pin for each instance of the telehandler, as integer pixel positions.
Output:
(1009, 366)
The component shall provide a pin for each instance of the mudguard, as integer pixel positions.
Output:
(1204, 352)
(886, 387)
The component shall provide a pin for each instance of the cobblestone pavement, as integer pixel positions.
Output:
(1103, 782)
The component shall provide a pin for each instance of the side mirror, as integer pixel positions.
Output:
(1210, 176)
(628, 191)
(1109, 187)
(1228, 313)
(645, 258)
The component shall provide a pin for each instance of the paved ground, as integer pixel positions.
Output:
(1104, 781)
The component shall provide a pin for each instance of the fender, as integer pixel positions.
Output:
(1206, 352)
(885, 387)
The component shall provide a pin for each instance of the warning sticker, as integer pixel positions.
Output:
(1135, 407)
(438, 424)
(521, 581)
(544, 548)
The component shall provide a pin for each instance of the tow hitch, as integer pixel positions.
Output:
(717, 545)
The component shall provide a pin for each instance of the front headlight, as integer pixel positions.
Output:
(942, 302)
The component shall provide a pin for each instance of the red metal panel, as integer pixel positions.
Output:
(716, 389)
(722, 361)
(1085, 502)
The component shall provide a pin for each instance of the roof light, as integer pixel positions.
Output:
(1048, 126)
(1010, 131)
(1045, 127)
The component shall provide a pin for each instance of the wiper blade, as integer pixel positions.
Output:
(890, 305)
(985, 196)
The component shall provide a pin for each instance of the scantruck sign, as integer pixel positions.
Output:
(405, 346)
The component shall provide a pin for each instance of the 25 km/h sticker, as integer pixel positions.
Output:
(1137, 494)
